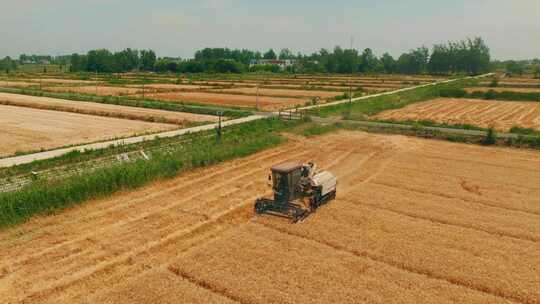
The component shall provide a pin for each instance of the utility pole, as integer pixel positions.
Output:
(352, 71)
(96, 82)
(257, 98)
(143, 89)
(218, 129)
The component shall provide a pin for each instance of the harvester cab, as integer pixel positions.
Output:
(298, 190)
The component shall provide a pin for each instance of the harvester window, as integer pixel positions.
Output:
(276, 178)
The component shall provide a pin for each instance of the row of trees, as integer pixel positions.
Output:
(242, 56)
(519, 67)
(104, 61)
(471, 56)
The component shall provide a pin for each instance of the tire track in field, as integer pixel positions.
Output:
(140, 216)
(196, 243)
(177, 185)
(468, 200)
(402, 165)
(168, 238)
(400, 266)
(203, 284)
(445, 222)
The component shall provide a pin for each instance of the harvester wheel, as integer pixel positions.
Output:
(260, 207)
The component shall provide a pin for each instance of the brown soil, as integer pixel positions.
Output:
(26, 129)
(282, 92)
(402, 230)
(502, 115)
(97, 90)
(267, 103)
(8, 84)
(99, 109)
(61, 81)
(169, 86)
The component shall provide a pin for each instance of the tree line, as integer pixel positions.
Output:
(104, 61)
(469, 56)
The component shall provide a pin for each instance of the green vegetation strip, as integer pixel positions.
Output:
(491, 95)
(139, 103)
(46, 196)
(522, 140)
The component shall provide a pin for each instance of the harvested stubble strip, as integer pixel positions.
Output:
(271, 103)
(27, 129)
(62, 81)
(289, 269)
(483, 113)
(101, 109)
(97, 90)
(126, 207)
(280, 92)
(464, 257)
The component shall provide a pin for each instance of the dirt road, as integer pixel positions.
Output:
(415, 221)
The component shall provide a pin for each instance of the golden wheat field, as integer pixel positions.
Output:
(502, 115)
(415, 221)
(26, 129)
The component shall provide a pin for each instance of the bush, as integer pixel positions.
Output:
(491, 95)
(524, 131)
(453, 92)
(491, 138)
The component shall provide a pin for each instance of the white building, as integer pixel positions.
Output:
(283, 64)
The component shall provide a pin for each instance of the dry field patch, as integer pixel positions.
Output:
(99, 109)
(502, 115)
(281, 92)
(265, 102)
(168, 86)
(97, 90)
(24, 84)
(62, 81)
(415, 221)
(25, 129)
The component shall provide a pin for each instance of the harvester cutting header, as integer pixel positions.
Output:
(298, 189)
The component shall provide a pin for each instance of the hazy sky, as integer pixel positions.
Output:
(177, 28)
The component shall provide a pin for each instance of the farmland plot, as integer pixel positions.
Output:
(415, 221)
(168, 86)
(15, 84)
(502, 115)
(282, 92)
(97, 90)
(25, 129)
(265, 102)
(100, 109)
(62, 81)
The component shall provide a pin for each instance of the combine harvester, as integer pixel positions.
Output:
(298, 191)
